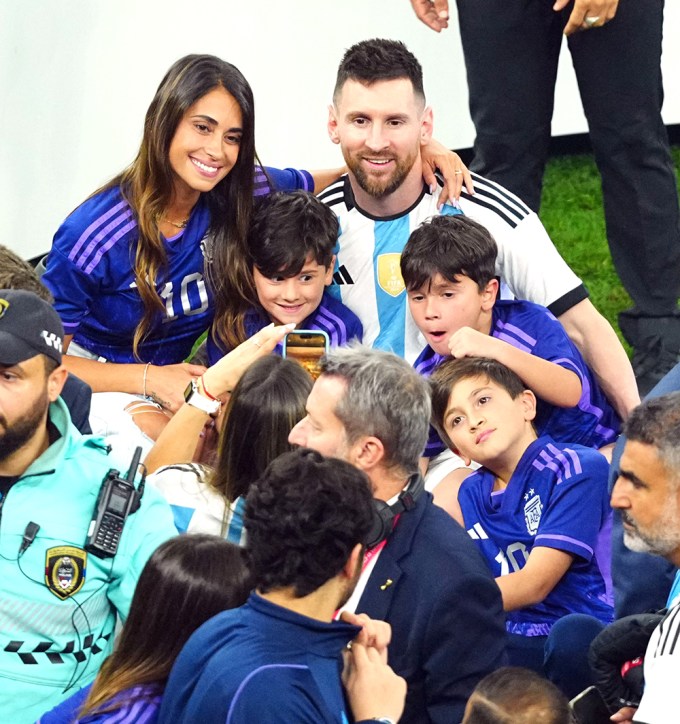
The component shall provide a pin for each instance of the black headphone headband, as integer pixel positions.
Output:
(384, 514)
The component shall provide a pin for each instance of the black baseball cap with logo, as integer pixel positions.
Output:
(28, 326)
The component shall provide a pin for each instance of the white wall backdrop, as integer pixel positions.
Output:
(76, 77)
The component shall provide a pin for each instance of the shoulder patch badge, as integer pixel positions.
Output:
(65, 568)
(532, 512)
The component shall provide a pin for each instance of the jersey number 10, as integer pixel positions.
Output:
(508, 558)
(195, 303)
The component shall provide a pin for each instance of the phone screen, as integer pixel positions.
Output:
(306, 347)
(589, 707)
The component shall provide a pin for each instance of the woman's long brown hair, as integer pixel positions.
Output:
(147, 185)
(188, 580)
(267, 402)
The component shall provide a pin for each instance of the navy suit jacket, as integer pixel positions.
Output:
(78, 397)
(431, 584)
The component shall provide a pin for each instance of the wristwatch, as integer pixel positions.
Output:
(193, 397)
(383, 720)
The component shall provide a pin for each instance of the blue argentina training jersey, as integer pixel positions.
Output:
(90, 274)
(533, 329)
(557, 497)
(425, 365)
(331, 316)
(268, 179)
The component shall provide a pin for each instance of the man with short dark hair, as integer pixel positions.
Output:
(380, 120)
(422, 573)
(58, 602)
(278, 658)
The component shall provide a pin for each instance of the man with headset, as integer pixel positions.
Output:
(422, 573)
(59, 597)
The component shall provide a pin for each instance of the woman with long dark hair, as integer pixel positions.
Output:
(128, 266)
(265, 404)
(188, 580)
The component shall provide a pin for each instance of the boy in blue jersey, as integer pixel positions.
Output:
(448, 267)
(290, 254)
(538, 510)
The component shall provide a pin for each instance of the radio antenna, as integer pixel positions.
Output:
(134, 465)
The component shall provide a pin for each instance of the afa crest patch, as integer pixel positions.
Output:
(390, 279)
(65, 568)
(4, 306)
(532, 514)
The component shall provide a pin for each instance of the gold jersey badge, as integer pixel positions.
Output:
(389, 274)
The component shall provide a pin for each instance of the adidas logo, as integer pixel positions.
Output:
(342, 276)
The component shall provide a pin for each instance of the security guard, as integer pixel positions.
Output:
(59, 601)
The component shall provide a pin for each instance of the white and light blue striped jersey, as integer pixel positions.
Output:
(196, 506)
(368, 278)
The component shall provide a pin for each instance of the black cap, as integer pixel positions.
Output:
(28, 326)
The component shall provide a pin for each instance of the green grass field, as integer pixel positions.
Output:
(572, 213)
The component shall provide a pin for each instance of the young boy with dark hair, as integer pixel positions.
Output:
(538, 510)
(448, 268)
(290, 248)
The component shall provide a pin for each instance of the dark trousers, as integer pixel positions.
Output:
(562, 656)
(511, 53)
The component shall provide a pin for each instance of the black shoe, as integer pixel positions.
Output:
(652, 363)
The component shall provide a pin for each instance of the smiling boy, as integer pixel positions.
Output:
(290, 253)
(538, 510)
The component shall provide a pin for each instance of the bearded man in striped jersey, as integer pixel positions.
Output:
(380, 119)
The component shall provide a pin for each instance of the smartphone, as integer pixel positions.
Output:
(589, 707)
(306, 346)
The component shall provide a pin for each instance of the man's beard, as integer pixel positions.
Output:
(662, 542)
(15, 437)
(382, 186)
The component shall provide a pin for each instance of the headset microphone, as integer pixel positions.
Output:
(29, 536)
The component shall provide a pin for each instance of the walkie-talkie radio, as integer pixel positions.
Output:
(117, 500)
